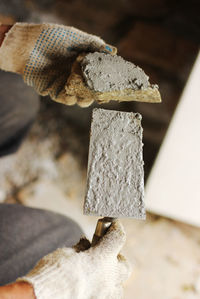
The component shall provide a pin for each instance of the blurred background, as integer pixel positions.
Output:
(49, 169)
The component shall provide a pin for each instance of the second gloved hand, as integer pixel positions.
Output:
(97, 272)
(43, 54)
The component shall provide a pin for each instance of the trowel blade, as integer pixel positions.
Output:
(115, 178)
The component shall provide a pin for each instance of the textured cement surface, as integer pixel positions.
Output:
(104, 72)
(115, 185)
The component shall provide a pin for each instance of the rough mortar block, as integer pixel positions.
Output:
(115, 180)
(102, 77)
(104, 72)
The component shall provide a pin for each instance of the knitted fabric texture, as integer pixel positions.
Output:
(44, 53)
(97, 272)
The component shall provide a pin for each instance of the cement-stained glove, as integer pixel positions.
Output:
(97, 272)
(43, 55)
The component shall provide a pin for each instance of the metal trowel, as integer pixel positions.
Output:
(115, 177)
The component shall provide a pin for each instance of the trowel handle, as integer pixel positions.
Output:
(102, 226)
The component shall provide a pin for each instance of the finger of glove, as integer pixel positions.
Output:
(125, 268)
(82, 245)
(88, 42)
(69, 100)
(117, 293)
(97, 44)
(83, 103)
(113, 241)
(65, 99)
(56, 87)
(108, 49)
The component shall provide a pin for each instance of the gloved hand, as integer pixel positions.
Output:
(97, 272)
(43, 54)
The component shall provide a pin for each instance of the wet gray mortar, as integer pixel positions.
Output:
(104, 72)
(115, 184)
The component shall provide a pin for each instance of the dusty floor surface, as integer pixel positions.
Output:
(165, 255)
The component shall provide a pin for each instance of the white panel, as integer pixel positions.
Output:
(173, 188)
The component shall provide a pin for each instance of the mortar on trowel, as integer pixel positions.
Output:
(115, 178)
(102, 77)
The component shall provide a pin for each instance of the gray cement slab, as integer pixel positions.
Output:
(115, 185)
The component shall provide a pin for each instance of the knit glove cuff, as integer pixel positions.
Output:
(17, 46)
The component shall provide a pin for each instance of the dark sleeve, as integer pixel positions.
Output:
(18, 108)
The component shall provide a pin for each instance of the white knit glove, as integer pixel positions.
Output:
(44, 53)
(97, 272)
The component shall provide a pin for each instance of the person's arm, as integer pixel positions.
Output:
(3, 30)
(17, 290)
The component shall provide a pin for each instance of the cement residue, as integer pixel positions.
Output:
(115, 167)
(104, 72)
